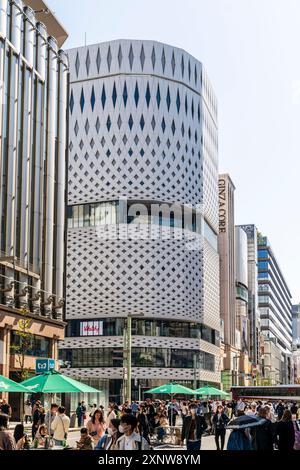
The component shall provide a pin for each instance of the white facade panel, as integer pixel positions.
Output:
(143, 126)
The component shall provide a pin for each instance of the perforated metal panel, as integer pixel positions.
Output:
(143, 125)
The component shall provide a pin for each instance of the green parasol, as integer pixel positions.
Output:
(171, 389)
(54, 382)
(211, 392)
(7, 385)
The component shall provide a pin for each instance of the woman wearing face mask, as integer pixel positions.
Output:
(192, 429)
(109, 440)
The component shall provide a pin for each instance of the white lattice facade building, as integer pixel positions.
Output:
(143, 131)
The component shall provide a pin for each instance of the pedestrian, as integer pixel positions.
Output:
(111, 413)
(27, 411)
(5, 408)
(130, 440)
(220, 420)
(193, 427)
(279, 410)
(37, 419)
(294, 409)
(173, 411)
(20, 437)
(239, 439)
(285, 432)
(143, 425)
(135, 408)
(251, 411)
(7, 441)
(86, 441)
(83, 408)
(79, 413)
(240, 405)
(49, 417)
(41, 435)
(94, 408)
(109, 440)
(263, 436)
(184, 409)
(60, 426)
(150, 410)
(96, 426)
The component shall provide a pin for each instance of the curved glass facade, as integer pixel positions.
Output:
(141, 357)
(142, 327)
(135, 212)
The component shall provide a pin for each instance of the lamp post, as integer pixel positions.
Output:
(128, 351)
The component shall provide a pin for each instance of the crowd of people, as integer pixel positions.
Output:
(141, 425)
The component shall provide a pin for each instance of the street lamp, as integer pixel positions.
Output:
(127, 349)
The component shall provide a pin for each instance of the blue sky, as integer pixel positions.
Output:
(251, 50)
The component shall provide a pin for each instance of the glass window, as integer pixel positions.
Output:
(210, 235)
(39, 346)
(262, 265)
(263, 254)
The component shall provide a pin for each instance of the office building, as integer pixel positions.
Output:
(33, 143)
(275, 308)
(253, 312)
(233, 251)
(143, 133)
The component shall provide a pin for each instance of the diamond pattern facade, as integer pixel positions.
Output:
(143, 126)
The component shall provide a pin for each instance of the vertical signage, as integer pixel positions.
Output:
(222, 206)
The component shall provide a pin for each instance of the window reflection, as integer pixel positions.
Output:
(149, 327)
(109, 213)
(141, 357)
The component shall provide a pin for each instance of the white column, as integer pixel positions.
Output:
(16, 23)
(12, 156)
(41, 45)
(29, 32)
(25, 166)
(37, 221)
(50, 166)
(3, 17)
(61, 173)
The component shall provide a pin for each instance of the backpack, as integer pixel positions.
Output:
(297, 436)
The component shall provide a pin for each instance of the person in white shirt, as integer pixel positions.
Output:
(111, 414)
(130, 440)
(60, 426)
(240, 405)
(251, 411)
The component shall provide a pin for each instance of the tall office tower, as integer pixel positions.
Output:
(296, 341)
(33, 144)
(296, 323)
(233, 251)
(226, 248)
(143, 132)
(253, 312)
(275, 309)
(241, 306)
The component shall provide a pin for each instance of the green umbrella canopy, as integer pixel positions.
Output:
(54, 382)
(171, 388)
(7, 385)
(210, 391)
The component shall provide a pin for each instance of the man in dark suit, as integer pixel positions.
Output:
(192, 429)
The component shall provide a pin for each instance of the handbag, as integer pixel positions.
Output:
(65, 433)
(297, 436)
